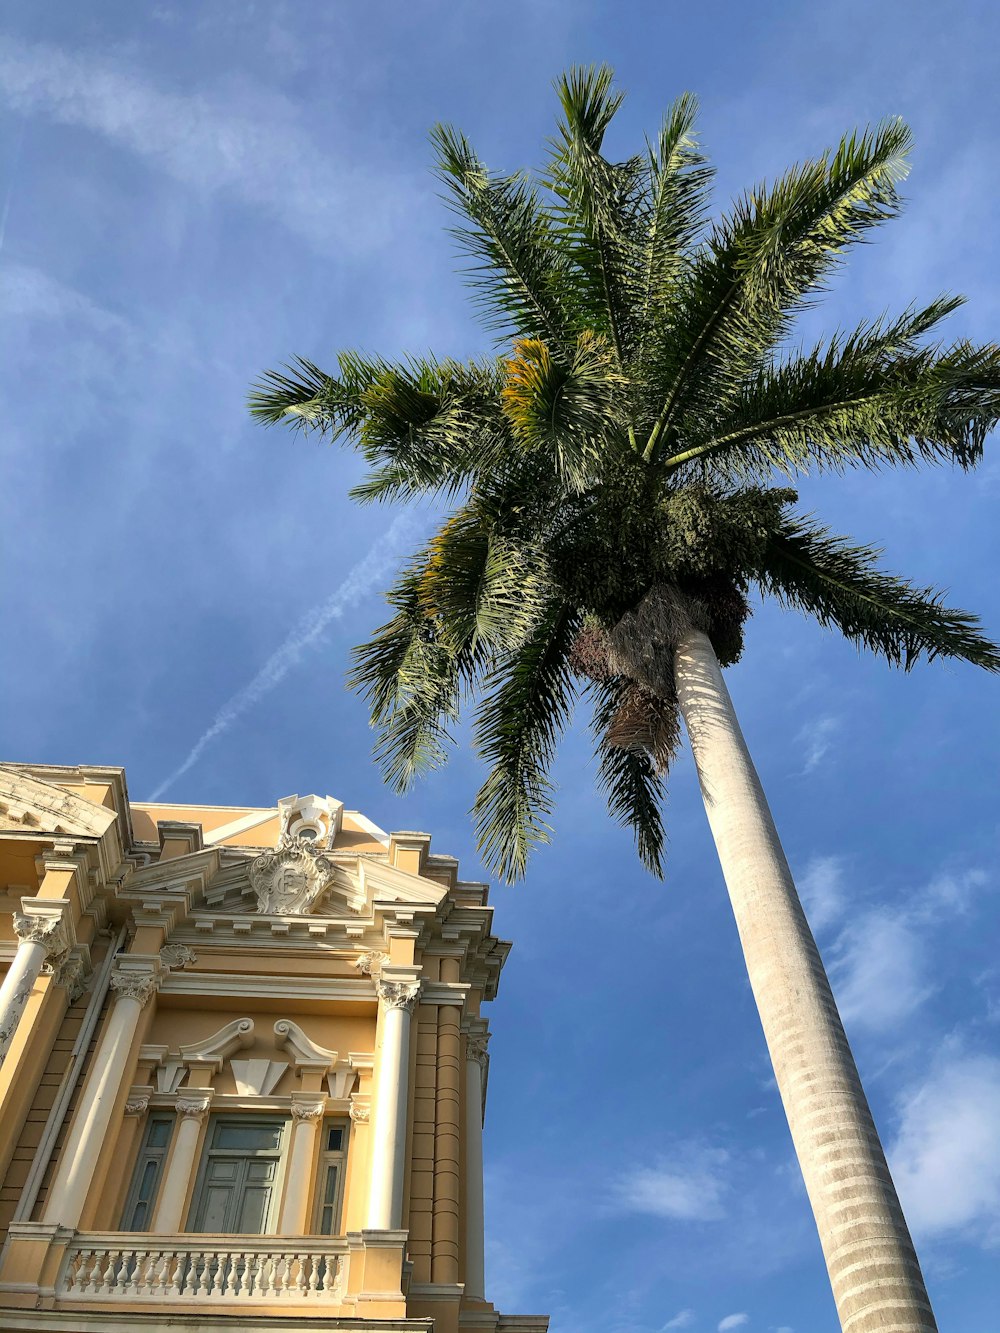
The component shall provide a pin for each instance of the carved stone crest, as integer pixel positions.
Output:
(289, 880)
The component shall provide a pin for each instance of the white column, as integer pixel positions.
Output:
(192, 1108)
(307, 1118)
(134, 980)
(42, 930)
(388, 1145)
(475, 1239)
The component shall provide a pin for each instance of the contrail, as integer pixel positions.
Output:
(10, 188)
(361, 579)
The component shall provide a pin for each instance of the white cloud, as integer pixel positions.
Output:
(816, 738)
(30, 293)
(246, 141)
(821, 890)
(945, 1158)
(733, 1321)
(879, 971)
(784, 1329)
(688, 1185)
(683, 1319)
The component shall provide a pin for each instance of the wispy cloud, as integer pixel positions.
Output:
(879, 960)
(359, 581)
(816, 739)
(880, 971)
(689, 1184)
(683, 1319)
(248, 142)
(821, 888)
(733, 1321)
(945, 1157)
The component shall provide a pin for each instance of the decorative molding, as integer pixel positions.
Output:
(306, 1055)
(72, 972)
(475, 1049)
(257, 1078)
(216, 1049)
(360, 1112)
(132, 984)
(308, 1111)
(289, 880)
(190, 1107)
(46, 923)
(138, 1099)
(177, 956)
(398, 994)
(320, 816)
(370, 963)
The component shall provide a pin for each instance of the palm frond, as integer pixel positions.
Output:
(412, 682)
(871, 399)
(565, 407)
(484, 588)
(760, 265)
(674, 208)
(517, 727)
(306, 398)
(806, 567)
(519, 272)
(629, 777)
(601, 202)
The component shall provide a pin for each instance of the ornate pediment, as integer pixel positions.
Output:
(28, 805)
(291, 879)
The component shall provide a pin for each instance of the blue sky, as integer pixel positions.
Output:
(193, 193)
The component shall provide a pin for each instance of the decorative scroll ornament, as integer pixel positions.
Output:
(193, 1108)
(289, 880)
(360, 1112)
(308, 1110)
(136, 1105)
(177, 956)
(49, 931)
(137, 986)
(475, 1049)
(399, 994)
(370, 964)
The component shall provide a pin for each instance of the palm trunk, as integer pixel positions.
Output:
(874, 1272)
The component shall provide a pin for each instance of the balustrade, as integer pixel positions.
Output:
(199, 1268)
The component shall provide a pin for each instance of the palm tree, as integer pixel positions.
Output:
(618, 483)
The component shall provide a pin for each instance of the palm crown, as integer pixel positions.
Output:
(621, 470)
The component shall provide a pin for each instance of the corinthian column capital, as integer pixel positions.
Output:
(398, 994)
(134, 983)
(44, 923)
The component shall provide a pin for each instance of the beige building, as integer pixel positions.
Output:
(244, 1067)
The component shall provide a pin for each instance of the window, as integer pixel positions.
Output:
(149, 1167)
(237, 1187)
(330, 1181)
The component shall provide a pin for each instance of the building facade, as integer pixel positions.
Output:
(244, 1067)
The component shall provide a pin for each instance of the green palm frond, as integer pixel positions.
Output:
(673, 210)
(872, 398)
(806, 567)
(412, 682)
(600, 204)
(519, 273)
(517, 727)
(760, 265)
(306, 398)
(566, 407)
(484, 588)
(629, 778)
